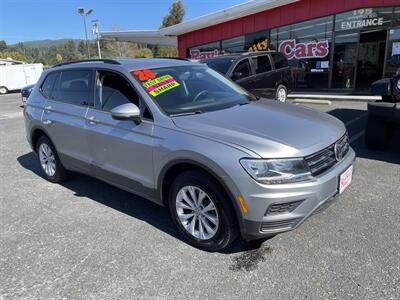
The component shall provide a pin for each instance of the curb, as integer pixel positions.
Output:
(312, 101)
(335, 97)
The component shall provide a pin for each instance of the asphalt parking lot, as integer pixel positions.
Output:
(87, 239)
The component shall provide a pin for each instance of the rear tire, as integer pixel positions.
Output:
(50, 163)
(376, 135)
(225, 228)
(281, 93)
(3, 90)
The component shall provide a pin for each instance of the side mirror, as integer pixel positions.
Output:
(128, 111)
(237, 75)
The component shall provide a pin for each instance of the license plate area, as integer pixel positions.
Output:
(345, 179)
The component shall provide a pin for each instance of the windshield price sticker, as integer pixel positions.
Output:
(144, 75)
(160, 85)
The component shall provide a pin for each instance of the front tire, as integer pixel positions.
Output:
(376, 134)
(281, 93)
(49, 161)
(201, 211)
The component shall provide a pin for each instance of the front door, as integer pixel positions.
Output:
(371, 55)
(243, 75)
(122, 151)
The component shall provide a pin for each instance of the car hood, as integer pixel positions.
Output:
(269, 128)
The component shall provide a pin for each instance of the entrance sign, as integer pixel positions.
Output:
(359, 19)
(313, 49)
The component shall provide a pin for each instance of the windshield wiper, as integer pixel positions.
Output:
(196, 112)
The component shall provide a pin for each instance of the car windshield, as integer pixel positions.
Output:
(220, 64)
(190, 89)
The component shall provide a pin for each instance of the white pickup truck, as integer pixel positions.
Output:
(14, 75)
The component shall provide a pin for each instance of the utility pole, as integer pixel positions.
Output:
(95, 31)
(84, 14)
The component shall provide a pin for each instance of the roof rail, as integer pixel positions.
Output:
(177, 58)
(108, 61)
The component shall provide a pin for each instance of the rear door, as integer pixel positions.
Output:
(64, 116)
(282, 70)
(264, 80)
(122, 150)
(242, 74)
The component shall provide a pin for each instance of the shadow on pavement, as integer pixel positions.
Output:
(392, 153)
(125, 202)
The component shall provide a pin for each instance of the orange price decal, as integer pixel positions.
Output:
(144, 75)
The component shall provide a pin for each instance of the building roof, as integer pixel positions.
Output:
(168, 36)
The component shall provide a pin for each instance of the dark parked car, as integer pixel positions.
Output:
(383, 115)
(26, 91)
(264, 74)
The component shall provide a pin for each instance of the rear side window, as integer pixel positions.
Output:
(262, 64)
(73, 87)
(48, 84)
(279, 61)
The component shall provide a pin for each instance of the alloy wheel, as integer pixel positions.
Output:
(281, 95)
(197, 212)
(47, 160)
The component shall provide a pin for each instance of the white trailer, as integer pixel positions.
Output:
(15, 76)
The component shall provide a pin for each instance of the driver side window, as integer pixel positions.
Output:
(242, 70)
(113, 90)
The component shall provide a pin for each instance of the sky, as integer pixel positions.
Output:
(26, 20)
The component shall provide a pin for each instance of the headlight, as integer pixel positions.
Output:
(276, 171)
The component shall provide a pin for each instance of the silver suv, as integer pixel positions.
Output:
(182, 135)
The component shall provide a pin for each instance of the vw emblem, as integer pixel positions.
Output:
(338, 152)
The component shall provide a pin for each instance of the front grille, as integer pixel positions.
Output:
(279, 225)
(281, 208)
(325, 159)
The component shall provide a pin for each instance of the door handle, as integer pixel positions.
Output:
(92, 120)
(48, 108)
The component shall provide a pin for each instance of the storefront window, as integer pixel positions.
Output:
(257, 41)
(393, 54)
(235, 44)
(205, 51)
(344, 60)
(307, 47)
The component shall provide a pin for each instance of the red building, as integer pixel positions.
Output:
(332, 44)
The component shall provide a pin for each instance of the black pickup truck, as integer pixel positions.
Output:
(383, 115)
(265, 74)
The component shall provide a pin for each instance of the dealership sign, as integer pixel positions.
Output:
(313, 49)
(197, 54)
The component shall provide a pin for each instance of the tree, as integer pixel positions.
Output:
(3, 45)
(144, 53)
(14, 55)
(175, 14)
(58, 58)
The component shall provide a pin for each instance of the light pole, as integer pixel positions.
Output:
(84, 14)
(95, 31)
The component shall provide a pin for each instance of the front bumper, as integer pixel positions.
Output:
(274, 209)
